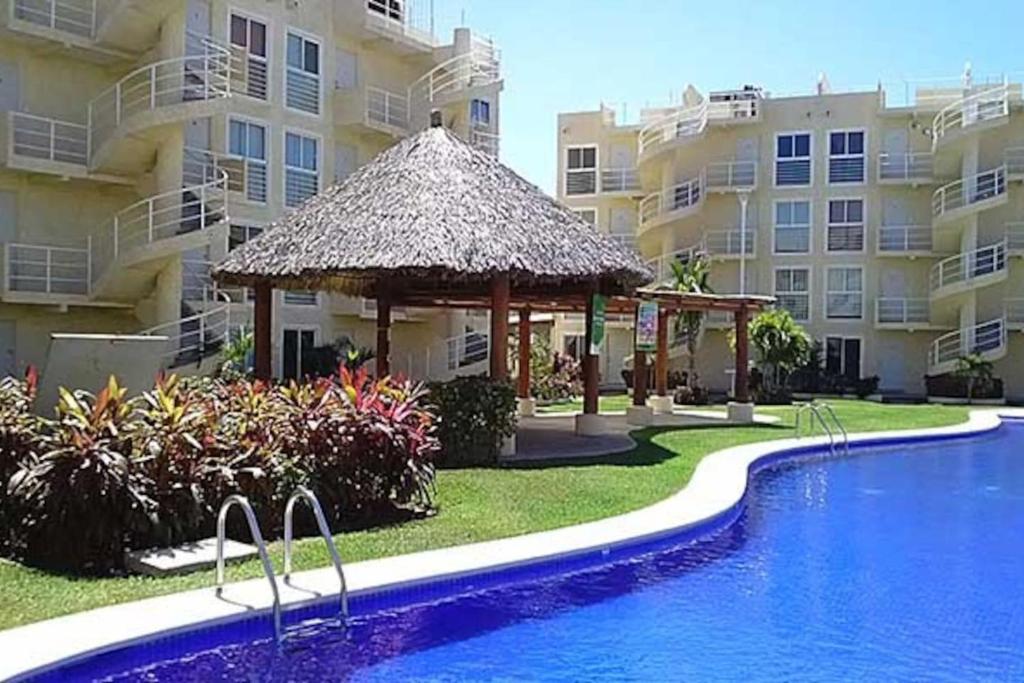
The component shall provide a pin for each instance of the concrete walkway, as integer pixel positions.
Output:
(553, 436)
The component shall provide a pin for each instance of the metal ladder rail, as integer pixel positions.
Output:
(303, 493)
(839, 426)
(257, 537)
(813, 410)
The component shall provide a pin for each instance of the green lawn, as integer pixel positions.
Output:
(479, 504)
(606, 404)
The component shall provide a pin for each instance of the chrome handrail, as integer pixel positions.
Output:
(816, 408)
(839, 426)
(303, 493)
(261, 547)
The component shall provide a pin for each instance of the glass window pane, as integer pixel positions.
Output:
(802, 145)
(782, 281)
(836, 280)
(836, 211)
(837, 143)
(853, 279)
(785, 146)
(855, 211)
(574, 157)
(802, 213)
(257, 38)
(292, 150)
(236, 138)
(590, 157)
(238, 30)
(294, 51)
(855, 145)
(257, 143)
(312, 57)
(833, 354)
(800, 280)
(784, 213)
(309, 160)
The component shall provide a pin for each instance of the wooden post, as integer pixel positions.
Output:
(639, 377)
(383, 334)
(524, 353)
(500, 295)
(742, 389)
(262, 330)
(590, 376)
(661, 357)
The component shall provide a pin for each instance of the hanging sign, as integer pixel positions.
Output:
(647, 326)
(597, 325)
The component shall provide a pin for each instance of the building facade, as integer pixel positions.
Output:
(889, 222)
(144, 139)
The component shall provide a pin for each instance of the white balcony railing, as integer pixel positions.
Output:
(37, 137)
(902, 311)
(477, 68)
(198, 336)
(691, 121)
(908, 167)
(387, 109)
(1014, 159)
(77, 17)
(156, 86)
(987, 339)
(662, 265)
(683, 196)
(723, 243)
(402, 18)
(40, 269)
(158, 218)
(985, 105)
(968, 267)
(619, 180)
(901, 239)
(1015, 237)
(201, 166)
(969, 191)
(731, 175)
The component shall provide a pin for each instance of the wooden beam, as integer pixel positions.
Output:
(590, 374)
(383, 334)
(742, 389)
(263, 324)
(524, 353)
(661, 357)
(500, 295)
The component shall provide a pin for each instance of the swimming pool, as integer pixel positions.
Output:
(897, 562)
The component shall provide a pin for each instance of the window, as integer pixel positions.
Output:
(844, 295)
(846, 157)
(392, 9)
(480, 112)
(573, 345)
(793, 291)
(793, 159)
(301, 168)
(581, 170)
(249, 141)
(249, 37)
(301, 298)
(842, 356)
(845, 225)
(793, 227)
(240, 234)
(297, 343)
(302, 87)
(589, 215)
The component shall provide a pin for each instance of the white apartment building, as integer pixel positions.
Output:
(890, 222)
(145, 138)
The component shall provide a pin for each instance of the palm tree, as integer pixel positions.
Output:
(691, 276)
(975, 371)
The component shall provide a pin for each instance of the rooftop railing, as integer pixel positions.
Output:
(984, 105)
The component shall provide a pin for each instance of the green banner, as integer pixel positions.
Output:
(647, 326)
(597, 325)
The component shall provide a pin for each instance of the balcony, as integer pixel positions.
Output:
(970, 270)
(675, 202)
(1015, 238)
(893, 313)
(987, 339)
(969, 195)
(43, 145)
(407, 24)
(168, 91)
(662, 265)
(688, 123)
(729, 244)
(978, 111)
(908, 241)
(1014, 160)
(373, 109)
(731, 176)
(1014, 312)
(42, 274)
(473, 73)
(620, 181)
(908, 168)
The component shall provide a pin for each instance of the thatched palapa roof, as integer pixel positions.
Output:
(432, 209)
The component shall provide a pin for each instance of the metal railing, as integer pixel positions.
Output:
(662, 265)
(201, 166)
(968, 191)
(77, 17)
(41, 269)
(261, 548)
(303, 493)
(385, 108)
(682, 196)
(479, 67)
(690, 121)
(729, 242)
(1015, 236)
(467, 349)
(619, 180)
(1014, 311)
(968, 266)
(731, 175)
(196, 337)
(1013, 158)
(897, 239)
(985, 338)
(410, 18)
(38, 137)
(905, 167)
(302, 90)
(817, 410)
(902, 311)
(181, 80)
(981, 106)
(160, 217)
(249, 73)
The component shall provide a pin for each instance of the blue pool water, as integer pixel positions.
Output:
(897, 563)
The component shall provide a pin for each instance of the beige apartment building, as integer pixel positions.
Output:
(890, 222)
(145, 138)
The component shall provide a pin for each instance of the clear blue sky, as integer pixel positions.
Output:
(569, 55)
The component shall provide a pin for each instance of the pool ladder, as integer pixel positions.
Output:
(302, 493)
(823, 413)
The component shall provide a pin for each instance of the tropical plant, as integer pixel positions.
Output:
(323, 361)
(19, 432)
(237, 354)
(691, 277)
(781, 345)
(976, 373)
(553, 376)
(476, 415)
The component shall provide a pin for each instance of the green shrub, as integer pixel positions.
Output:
(476, 415)
(19, 432)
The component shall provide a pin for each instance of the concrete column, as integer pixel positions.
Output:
(262, 330)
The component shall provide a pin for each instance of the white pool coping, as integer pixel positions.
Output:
(718, 484)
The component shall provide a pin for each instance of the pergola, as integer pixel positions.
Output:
(433, 222)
